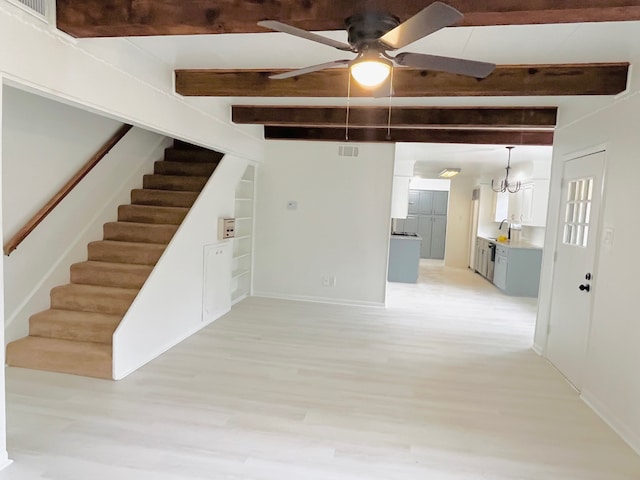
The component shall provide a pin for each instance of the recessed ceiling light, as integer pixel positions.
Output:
(449, 172)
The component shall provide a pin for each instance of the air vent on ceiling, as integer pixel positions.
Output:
(37, 7)
(347, 151)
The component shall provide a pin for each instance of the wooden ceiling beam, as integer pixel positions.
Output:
(485, 137)
(509, 80)
(413, 117)
(117, 18)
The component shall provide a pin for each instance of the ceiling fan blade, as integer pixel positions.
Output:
(298, 32)
(427, 21)
(460, 66)
(312, 68)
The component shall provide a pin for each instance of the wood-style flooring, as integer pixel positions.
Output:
(441, 385)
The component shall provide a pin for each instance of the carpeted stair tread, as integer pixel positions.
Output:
(152, 214)
(76, 334)
(65, 356)
(107, 274)
(191, 155)
(139, 232)
(125, 252)
(74, 325)
(163, 198)
(179, 183)
(93, 298)
(195, 169)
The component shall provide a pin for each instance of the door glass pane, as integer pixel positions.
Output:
(578, 212)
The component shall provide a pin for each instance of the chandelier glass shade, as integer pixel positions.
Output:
(506, 185)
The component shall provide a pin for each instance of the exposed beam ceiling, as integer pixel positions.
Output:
(517, 80)
(497, 137)
(113, 18)
(408, 117)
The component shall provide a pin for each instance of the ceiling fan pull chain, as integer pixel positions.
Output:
(346, 128)
(390, 94)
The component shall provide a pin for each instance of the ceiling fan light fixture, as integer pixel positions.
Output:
(370, 70)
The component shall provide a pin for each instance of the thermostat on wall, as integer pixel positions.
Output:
(226, 228)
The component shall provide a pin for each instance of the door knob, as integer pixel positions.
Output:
(585, 288)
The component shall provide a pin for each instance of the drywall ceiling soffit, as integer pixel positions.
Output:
(113, 18)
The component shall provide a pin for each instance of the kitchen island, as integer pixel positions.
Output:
(404, 257)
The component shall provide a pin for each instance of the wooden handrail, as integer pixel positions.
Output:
(12, 244)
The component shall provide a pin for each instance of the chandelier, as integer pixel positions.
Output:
(506, 185)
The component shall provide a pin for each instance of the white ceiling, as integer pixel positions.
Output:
(503, 45)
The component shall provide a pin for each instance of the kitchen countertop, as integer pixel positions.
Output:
(514, 244)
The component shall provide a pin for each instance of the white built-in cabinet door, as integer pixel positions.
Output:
(216, 295)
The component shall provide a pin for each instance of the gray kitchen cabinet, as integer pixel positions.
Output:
(482, 256)
(407, 225)
(414, 200)
(500, 271)
(438, 236)
(517, 270)
(428, 218)
(440, 203)
(425, 230)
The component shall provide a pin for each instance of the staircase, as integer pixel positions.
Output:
(75, 334)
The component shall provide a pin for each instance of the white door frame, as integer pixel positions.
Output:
(598, 235)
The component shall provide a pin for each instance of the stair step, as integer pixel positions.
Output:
(181, 145)
(192, 155)
(196, 169)
(92, 298)
(73, 325)
(151, 214)
(66, 356)
(163, 198)
(179, 183)
(139, 232)
(125, 252)
(106, 274)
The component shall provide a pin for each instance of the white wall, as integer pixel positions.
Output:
(44, 144)
(340, 228)
(459, 222)
(169, 307)
(611, 381)
(4, 457)
(114, 78)
(440, 184)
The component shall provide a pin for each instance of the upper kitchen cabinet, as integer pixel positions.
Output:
(535, 199)
(528, 206)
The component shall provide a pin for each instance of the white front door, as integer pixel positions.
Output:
(573, 275)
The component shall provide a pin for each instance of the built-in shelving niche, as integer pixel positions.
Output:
(243, 241)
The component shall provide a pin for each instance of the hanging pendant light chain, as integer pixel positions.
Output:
(390, 95)
(505, 185)
(346, 128)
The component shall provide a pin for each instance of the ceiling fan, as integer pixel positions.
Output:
(372, 34)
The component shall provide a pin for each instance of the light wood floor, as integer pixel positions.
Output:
(441, 385)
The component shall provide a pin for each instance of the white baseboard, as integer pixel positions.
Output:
(537, 348)
(630, 437)
(5, 462)
(331, 301)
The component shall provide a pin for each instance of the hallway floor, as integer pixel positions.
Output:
(440, 385)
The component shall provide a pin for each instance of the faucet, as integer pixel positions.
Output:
(508, 229)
